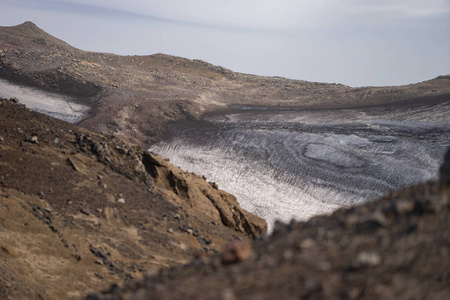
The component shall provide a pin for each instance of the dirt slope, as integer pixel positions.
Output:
(135, 96)
(79, 210)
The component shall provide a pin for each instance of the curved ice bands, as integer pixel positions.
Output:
(281, 168)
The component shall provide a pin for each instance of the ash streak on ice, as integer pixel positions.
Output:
(56, 105)
(295, 164)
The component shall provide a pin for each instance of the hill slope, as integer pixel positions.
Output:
(135, 96)
(79, 210)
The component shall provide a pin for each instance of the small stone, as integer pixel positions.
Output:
(2, 140)
(41, 195)
(190, 231)
(287, 254)
(375, 221)
(367, 259)
(33, 139)
(207, 241)
(48, 209)
(121, 200)
(354, 293)
(176, 216)
(99, 261)
(228, 294)
(150, 273)
(170, 230)
(236, 251)
(311, 284)
(305, 244)
(324, 266)
(83, 211)
(404, 206)
(97, 252)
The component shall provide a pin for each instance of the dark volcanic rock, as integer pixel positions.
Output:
(444, 172)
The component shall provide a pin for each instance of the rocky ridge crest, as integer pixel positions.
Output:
(134, 97)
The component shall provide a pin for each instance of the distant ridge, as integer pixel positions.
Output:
(16, 35)
(167, 88)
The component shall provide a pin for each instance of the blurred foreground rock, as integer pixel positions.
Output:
(397, 247)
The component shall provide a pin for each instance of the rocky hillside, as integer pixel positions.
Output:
(395, 248)
(135, 96)
(79, 211)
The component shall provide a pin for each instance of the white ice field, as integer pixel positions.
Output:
(52, 104)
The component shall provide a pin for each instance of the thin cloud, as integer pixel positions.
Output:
(272, 14)
(413, 9)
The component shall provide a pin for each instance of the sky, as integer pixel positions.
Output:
(353, 42)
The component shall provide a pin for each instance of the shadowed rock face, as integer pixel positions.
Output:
(79, 210)
(203, 196)
(444, 174)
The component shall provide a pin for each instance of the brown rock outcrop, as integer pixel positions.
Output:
(79, 210)
(200, 195)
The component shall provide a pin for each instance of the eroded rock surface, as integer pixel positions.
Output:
(79, 210)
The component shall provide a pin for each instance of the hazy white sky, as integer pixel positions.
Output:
(354, 42)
